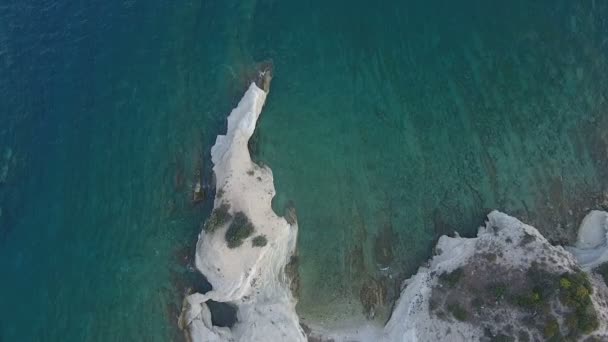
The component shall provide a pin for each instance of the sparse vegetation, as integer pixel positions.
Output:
(551, 329)
(451, 278)
(219, 216)
(541, 285)
(250, 172)
(259, 241)
(553, 305)
(491, 257)
(458, 312)
(499, 290)
(219, 193)
(575, 291)
(529, 300)
(240, 228)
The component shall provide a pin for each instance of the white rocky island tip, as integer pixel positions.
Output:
(244, 246)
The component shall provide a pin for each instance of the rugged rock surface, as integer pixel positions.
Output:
(508, 284)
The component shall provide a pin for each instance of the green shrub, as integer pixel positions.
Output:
(458, 312)
(587, 319)
(240, 228)
(498, 290)
(551, 328)
(529, 301)
(219, 216)
(452, 278)
(259, 241)
(575, 291)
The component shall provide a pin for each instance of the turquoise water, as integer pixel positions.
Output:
(390, 126)
(386, 126)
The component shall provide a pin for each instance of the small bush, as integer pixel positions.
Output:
(565, 283)
(551, 328)
(259, 241)
(240, 229)
(452, 278)
(498, 290)
(587, 320)
(575, 291)
(458, 312)
(219, 216)
(529, 301)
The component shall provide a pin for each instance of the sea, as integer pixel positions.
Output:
(388, 124)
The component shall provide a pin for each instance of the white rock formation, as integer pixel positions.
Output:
(516, 247)
(591, 248)
(411, 319)
(252, 278)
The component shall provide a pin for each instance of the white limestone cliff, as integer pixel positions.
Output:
(519, 247)
(250, 277)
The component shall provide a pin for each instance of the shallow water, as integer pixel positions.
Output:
(385, 126)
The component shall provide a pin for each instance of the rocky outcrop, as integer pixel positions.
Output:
(244, 247)
(509, 284)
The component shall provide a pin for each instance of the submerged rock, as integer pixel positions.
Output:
(372, 296)
(6, 165)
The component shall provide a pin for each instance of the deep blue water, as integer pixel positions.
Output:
(387, 125)
(104, 110)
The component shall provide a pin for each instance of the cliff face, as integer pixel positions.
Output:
(508, 284)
